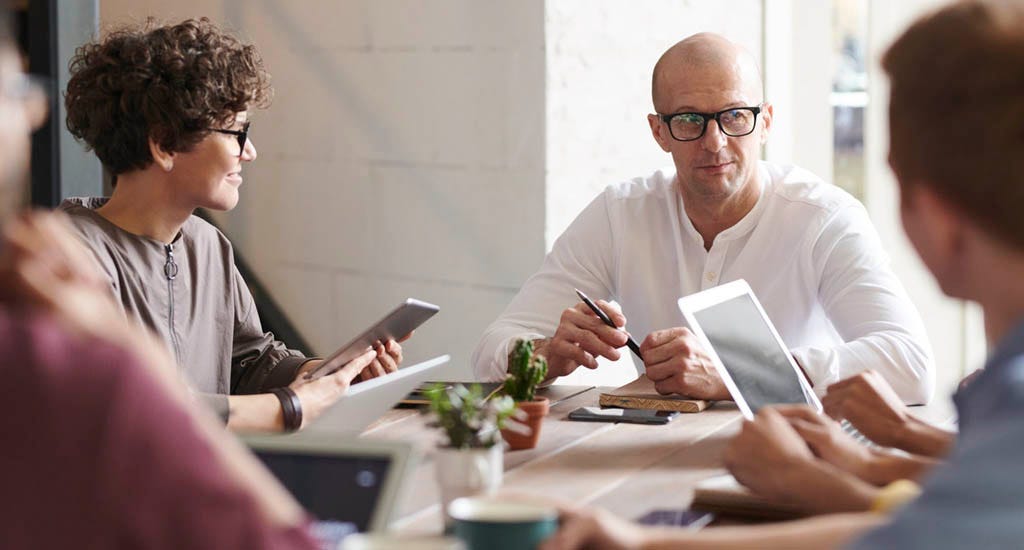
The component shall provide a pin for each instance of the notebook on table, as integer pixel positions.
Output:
(640, 394)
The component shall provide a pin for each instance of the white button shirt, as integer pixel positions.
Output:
(807, 249)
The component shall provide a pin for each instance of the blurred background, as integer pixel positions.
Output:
(436, 148)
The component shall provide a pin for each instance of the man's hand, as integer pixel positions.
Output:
(969, 379)
(767, 454)
(594, 528)
(828, 441)
(870, 404)
(771, 458)
(581, 337)
(677, 363)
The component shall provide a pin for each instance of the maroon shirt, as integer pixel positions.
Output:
(94, 454)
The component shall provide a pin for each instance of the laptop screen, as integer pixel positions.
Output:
(343, 489)
(750, 353)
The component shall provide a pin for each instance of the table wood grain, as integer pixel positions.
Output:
(628, 469)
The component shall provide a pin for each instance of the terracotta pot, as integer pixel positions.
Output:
(535, 411)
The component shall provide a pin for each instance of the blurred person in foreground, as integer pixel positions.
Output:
(956, 119)
(102, 445)
(167, 111)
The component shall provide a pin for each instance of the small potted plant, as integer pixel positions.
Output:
(471, 460)
(526, 369)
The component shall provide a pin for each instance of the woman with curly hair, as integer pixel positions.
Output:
(166, 109)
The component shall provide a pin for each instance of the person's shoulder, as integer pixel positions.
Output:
(1011, 382)
(202, 232)
(799, 187)
(656, 186)
(81, 211)
(41, 356)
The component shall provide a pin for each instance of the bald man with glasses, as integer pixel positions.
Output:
(807, 248)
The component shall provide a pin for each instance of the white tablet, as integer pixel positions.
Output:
(748, 352)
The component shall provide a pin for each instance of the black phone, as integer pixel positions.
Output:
(635, 416)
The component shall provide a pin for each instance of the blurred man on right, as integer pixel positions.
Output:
(957, 149)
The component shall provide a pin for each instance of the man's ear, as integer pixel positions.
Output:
(936, 228)
(767, 115)
(161, 158)
(660, 132)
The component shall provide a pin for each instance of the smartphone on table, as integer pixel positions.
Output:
(634, 416)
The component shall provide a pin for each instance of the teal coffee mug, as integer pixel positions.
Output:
(492, 523)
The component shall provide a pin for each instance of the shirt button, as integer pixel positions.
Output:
(711, 275)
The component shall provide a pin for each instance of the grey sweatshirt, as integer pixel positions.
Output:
(191, 294)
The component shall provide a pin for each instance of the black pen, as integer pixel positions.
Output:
(604, 317)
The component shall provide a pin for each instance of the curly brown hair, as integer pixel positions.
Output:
(169, 83)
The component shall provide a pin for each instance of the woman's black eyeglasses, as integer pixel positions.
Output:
(242, 136)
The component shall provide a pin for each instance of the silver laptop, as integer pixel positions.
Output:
(351, 485)
(368, 401)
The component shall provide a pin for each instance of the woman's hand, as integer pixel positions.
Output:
(389, 356)
(319, 394)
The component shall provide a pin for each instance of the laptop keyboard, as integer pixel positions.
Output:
(329, 534)
(693, 519)
(856, 435)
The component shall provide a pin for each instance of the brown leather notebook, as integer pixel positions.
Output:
(640, 394)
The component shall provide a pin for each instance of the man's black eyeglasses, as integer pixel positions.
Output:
(242, 135)
(735, 122)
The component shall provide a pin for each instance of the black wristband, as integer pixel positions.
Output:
(291, 408)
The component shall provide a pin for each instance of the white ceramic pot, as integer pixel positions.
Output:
(467, 472)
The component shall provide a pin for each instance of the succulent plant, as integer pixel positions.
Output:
(526, 369)
(470, 419)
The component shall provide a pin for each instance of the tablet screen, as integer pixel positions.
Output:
(751, 354)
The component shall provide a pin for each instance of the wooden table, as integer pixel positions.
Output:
(628, 469)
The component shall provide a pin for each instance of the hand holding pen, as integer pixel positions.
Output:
(582, 336)
(604, 318)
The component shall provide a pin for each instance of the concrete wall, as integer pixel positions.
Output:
(403, 156)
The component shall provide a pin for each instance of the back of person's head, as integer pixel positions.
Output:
(171, 84)
(956, 112)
